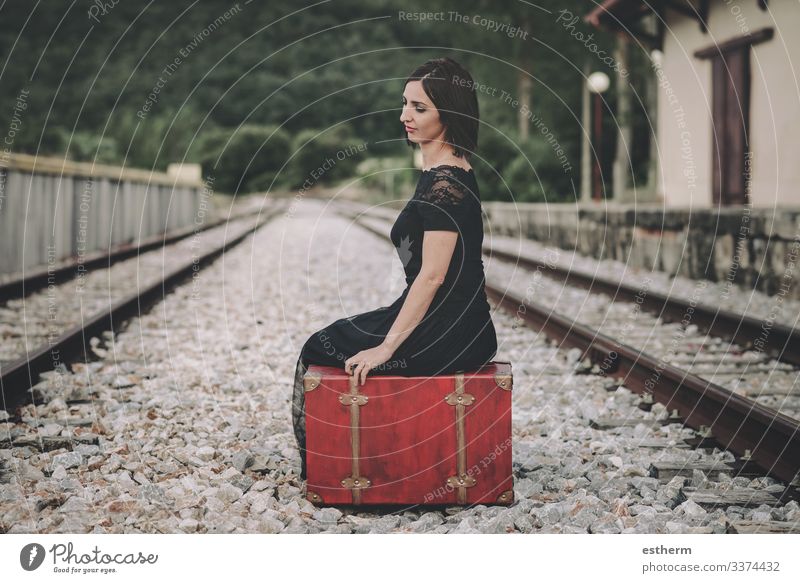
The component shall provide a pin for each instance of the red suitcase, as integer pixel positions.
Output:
(409, 440)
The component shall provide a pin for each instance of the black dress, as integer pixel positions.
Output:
(456, 333)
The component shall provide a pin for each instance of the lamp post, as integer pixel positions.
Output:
(596, 84)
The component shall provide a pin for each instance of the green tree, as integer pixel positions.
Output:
(324, 156)
(236, 157)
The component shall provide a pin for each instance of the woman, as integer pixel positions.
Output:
(441, 323)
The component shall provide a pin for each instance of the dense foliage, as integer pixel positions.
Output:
(265, 93)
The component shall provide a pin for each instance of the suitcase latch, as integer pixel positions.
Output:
(462, 481)
(350, 399)
(356, 482)
(459, 399)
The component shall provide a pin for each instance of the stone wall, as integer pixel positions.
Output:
(756, 248)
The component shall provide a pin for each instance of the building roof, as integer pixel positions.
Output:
(624, 16)
(616, 14)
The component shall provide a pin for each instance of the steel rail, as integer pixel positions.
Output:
(738, 424)
(17, 377)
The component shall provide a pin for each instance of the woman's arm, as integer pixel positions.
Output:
(437, 251)
(440, 209)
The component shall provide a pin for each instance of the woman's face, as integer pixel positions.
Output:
(419, 116)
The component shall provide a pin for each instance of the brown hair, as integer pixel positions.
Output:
(451, 89)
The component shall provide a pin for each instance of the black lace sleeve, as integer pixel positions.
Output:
(442, 204)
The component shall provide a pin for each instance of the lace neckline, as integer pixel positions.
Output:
(431, 169)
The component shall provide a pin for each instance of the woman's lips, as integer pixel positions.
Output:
(408, 129)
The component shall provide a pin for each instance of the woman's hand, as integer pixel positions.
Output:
(366, 360)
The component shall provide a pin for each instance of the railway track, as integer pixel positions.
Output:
(679, 376)
(182, 425)
(56, 325)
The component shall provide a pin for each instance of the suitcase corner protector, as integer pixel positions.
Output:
(506, 497)
(504, 381)
(311, 381)
(314, 497)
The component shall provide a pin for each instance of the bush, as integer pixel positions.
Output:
(388, 178)
(271, 180)
(323, 156)
(496, 151)
(86, 147)
(242, 156)
(536, 175)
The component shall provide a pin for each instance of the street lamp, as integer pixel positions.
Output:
(596, 84)
(656, 57)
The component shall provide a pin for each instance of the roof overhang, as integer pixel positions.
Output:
(625, 17)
